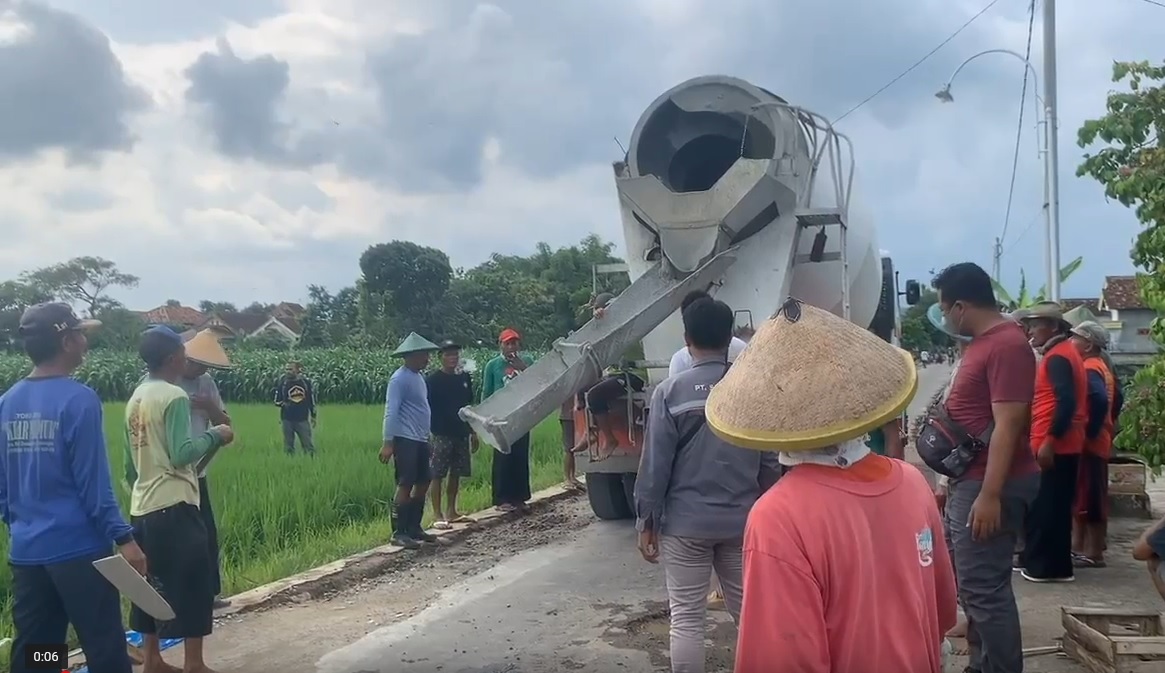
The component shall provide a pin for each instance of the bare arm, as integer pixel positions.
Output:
(1143, 549)
(893, 434)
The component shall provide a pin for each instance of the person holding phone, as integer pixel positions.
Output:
(511, 471)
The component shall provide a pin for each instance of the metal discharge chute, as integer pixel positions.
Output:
(720, 181)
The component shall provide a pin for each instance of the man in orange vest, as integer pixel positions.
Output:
(1090, 532)
(1059, 414)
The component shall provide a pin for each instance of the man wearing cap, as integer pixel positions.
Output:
(511, 471)
(1104, 402)
(806, 608)
(450, 389)
(297, 409)
(1059, 416)
(56, 498)
(204, 353)
(161, 464)
(407, 423)
(694, 490)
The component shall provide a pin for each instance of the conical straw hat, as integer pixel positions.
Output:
(205, 349)
(415, 343)
(809, 380)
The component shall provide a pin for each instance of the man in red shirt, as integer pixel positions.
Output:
(1059, 414)
(986, 505)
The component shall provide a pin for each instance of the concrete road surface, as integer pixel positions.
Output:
(555, 591)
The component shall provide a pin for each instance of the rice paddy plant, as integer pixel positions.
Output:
(278, 514)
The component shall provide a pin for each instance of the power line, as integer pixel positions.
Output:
(1031, 22)
(919, 62)
(1023, 232)
(1154, 2)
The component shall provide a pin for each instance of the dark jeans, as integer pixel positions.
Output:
(983, 573)
(301, 429)
(211, 533)
(604, 393)
(511, 474)
(1047, 551)
(46, 599)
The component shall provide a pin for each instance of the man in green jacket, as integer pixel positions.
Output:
(511, 471)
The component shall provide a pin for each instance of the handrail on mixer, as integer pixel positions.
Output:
(813, 122)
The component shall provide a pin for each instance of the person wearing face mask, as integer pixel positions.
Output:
(1059, 416)
(988, 498)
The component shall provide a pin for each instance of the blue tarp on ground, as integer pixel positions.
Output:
(134, 638)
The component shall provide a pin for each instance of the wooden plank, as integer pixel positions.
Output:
(1088, 637)
(1150, 646)
(1081, 654)
(1110, 612)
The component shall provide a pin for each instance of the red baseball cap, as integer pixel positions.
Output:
(509, 334)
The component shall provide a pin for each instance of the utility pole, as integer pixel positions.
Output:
(1053, 119)
(996, 254)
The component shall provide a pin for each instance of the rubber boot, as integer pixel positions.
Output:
(399, 519)
(417, 530)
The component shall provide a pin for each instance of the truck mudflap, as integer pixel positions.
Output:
(573, 364)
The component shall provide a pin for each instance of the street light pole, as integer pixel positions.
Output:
(1051, 215)
(1053, 157)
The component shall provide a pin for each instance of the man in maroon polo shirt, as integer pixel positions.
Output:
(986, 505)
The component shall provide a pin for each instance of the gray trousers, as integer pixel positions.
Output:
(983, 573)
(688, 564)
(302, 429)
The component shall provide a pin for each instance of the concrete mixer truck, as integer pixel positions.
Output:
(725, 188)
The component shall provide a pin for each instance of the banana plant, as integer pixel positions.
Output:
(1024, 299)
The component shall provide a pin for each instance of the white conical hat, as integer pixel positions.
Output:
(810, 379)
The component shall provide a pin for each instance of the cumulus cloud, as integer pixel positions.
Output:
(240, 99)
(62, 86)
(287, 135)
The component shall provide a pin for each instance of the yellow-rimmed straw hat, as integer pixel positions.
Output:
(808, 380)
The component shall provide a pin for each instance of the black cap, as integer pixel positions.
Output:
(450, 345)
(602, 300)
(51, 319)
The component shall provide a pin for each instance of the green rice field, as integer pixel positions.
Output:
(279, 515)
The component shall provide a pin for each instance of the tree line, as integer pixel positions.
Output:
(400, 287)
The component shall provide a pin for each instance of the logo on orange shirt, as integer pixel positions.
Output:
(925, 540)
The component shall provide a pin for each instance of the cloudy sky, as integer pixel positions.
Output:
(242, 149)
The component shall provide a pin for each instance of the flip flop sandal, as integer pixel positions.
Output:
(1085, 562)
(506, 507)
(442, 525)
(461, 519)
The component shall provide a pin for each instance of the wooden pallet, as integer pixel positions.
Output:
(1114, 641)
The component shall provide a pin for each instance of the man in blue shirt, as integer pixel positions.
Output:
(56, 497)
(407, 419)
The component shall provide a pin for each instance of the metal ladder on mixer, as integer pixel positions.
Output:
(825, 144)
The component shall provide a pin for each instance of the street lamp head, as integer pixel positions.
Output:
(944, 94)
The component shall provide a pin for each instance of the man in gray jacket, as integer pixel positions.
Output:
(694, 490)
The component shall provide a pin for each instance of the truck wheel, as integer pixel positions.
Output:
(629, 491)
(607, 496)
